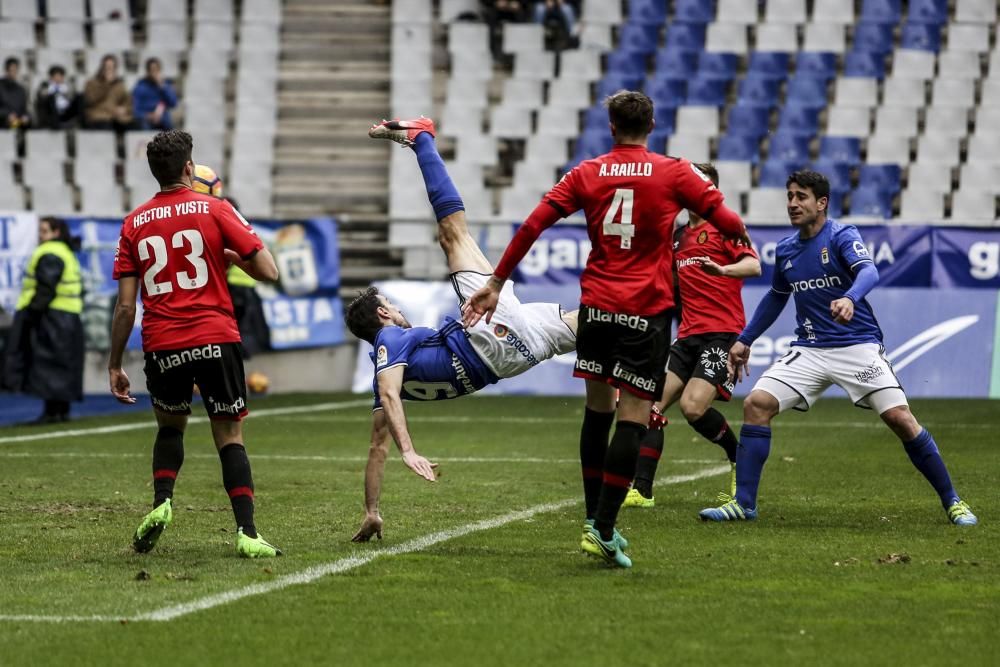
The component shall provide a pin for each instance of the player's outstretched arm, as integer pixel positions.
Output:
(371, 525)
(390, 384)
(259, 267)
(746, 267)
(121, 328)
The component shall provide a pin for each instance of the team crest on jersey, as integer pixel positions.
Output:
(500, 331)
(382, 358)
(824, 256)
(703, 236)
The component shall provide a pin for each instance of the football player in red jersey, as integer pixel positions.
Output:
(175, 248)
(630, 197)
(710, 272)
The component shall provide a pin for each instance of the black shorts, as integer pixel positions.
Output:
(216, 368)
(626, 351)
(703, 356)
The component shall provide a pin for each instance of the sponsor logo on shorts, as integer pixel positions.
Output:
(499, 331)
(630, 321)
(462, 375)
(713, 359)
(515, 342)
(589, 366)
(635, 380)
(183, 406)
(234, 408)
(872, 372)
(822, 282)
(382, 357)
(187, 356)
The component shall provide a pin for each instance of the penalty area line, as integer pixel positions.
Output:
(309, 575)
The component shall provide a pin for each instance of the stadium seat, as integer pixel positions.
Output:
(976, 11)
(691, 147)
(615, 81)
(990, 93)
(476, 149)
(976, 176)
(837, 173)
(957, 64)
(698, 120)
(824, 38)
(914, 64)
(799, 120)
(738, 148)
(165, 35)
(220, 11)
(213, 36)
(734, 177)
(864, 64)
(954, 92)
(19, 9)
(578, 64)
(974, 207)
(66, 34)
(775, 173)
(768, 206)
(885, 177)
(921, 206)
(521, 37)
(873, 37)
(463, 93)
(101, 199)
(537, 66)
(764, 64)
(928, 11)
(591, 143)
(856, 92)
(929, 178)
(921, 36)
(676, 63)
(639, 11)
(848, 121)
(780, 37)
(457, 120)
(52, 198)
(640, 37)
(835, 204)
(96, 146)
(511, 122)
(888, 149)
(596, 36)
(749, 120)
(626, 61)
(806, 89)
(984, 148)
(450, 9)
(570, 94)
(112, 35)
(968, 37)
(834, 11)
(785, 11)
(666, 118)
(881, 11)
(870, 202)
(949, 121)
(704, 91)
(903, 92)
(757, 91)
(555, 122)
(789, 147)
(718, 65)
(685, 36)
(726, 38)
(671, 92)
(816, 64)
(546, 149)
(937, 149)
(657, 140)
(841, 150)
(262, 38)
(694, 11)
(269, 12)
(736, 11)
(103, 10)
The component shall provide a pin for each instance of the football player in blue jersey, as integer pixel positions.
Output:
(827, 267)
(425, 364)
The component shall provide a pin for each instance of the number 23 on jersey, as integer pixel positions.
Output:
(188, 241)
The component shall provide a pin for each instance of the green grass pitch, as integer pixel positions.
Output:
(852, 561)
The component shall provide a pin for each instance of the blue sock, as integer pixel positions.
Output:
(755, 445)
(926, 458)
(441, 191)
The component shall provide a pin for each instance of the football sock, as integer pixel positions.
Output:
(650, 450)
(238, 481)
(619, 470)
(755, 445)
(714, 427)
(593, 447)
(441, 191)
(168, 457)
(923, 451)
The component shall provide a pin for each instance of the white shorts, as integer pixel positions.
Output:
(519, 335)
(800, 377)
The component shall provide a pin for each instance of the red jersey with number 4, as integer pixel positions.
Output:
(631, 197)
(712, 304)
(174, 244)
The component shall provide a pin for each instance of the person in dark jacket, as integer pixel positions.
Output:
(44, 353)
(152, 99)
(13, 97)
(57, 105)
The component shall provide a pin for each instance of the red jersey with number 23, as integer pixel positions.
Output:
(631, 197)
(174, 244)
(712, 304)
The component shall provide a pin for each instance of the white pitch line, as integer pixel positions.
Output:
(135, 426)
(311, 574)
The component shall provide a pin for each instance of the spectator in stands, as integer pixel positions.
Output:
(559, 19)
(107, 103)
(57, 104)
(44, 353)
(152, 99)
(497, 12)
(13, 97)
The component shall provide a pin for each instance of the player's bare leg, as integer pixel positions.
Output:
(168, 456)
(238, 481)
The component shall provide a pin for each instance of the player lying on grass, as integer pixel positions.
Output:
(826, 265)
(710, 272)
(425, 364)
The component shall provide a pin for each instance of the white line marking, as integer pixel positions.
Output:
(311, 574)
(135, 426)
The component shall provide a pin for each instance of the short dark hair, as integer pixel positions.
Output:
(709, 170)
(631, 112)
(167, 154)
(11, 61)
(59, 226)
(150, 61)
(57, 69)
(362, 315)
(813, 180)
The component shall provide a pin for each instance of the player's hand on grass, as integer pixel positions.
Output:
(738, 362)
(372, 525)
(482, 303)
(710, 267)
(118, 380)
(842, 310)
(420, 465)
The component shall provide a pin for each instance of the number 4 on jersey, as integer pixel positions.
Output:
(624, 199)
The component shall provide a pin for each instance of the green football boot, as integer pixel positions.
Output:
(636, 499)
(255, 547)
(610, 552)
(151, 527)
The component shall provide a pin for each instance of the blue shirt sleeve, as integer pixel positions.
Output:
(392, 348)
(852, 248)
(864, 281)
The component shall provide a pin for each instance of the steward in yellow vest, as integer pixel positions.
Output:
(248, 309)
(45, 351)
